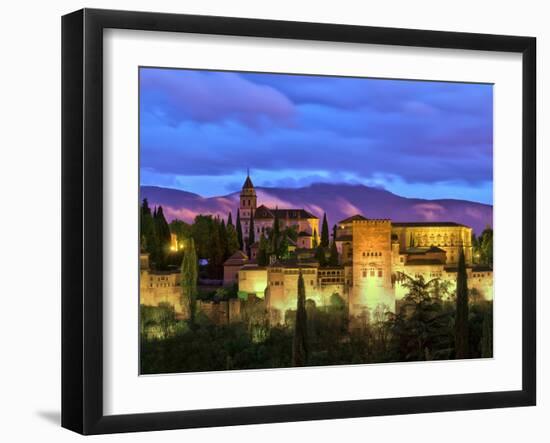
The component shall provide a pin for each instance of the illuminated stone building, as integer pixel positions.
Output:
(305, 223)
(374, 257)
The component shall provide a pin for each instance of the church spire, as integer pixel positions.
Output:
(248, 182)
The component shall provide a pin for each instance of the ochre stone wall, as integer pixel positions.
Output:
(156, 288)
(372, 265)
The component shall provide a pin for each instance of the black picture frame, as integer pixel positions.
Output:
(82, 217)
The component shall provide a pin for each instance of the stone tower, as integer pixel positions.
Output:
(247, 205)
(372, 266)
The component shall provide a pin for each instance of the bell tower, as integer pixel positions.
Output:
(247, 205)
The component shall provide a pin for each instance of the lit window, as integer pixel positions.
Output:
(364, 273)
(380, 273)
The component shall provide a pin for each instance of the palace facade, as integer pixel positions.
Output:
(375, 256)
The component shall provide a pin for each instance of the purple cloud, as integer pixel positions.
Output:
(302, 129)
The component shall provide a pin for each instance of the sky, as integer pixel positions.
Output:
(201, 130)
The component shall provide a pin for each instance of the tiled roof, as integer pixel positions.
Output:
(263, 212)
(355, 217)
(238, 258)
(252, 267)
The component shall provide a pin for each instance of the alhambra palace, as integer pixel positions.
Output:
(373, 256)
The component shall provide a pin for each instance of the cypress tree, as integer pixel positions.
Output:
(315, 239)
(147, 228)
(162, 231)
(251, 236)
(232, 240)
(189, 274)
(223, 239)
(299, 345)
(263, 255)
(239, 231)
(324, 232)
(333, 260)
(229, 219)
(321, 256)
(461, 322)
(215, 261)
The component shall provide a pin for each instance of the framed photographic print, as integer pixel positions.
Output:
(309, 220)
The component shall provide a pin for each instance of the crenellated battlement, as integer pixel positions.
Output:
(373, 221)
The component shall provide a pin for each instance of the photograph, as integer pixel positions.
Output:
(292, 220)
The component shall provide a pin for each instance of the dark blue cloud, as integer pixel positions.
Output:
(301, 129)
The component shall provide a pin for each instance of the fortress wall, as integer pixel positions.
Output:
(160, 288)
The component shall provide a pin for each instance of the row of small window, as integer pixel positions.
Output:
(161, 285)
(372, 273)
(478, 275)
(304, 271)
(323, 273)
(372, 254)
(246, 203)
(282, 283)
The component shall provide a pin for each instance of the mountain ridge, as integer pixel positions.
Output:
(337, 200)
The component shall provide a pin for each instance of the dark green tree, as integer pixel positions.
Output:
(421, 330)
(320, 256)
(263, 253)
(202, 231)
(217, 252)
(299, 345)
(181, 229)
(223, 238)
(315, 239)
(189, 275)
(232, 240)
(487, 336)
(147, 229)
(461, 320)
(251, 235)
(324, 232)
(333, 259)
(239, 229)
(162, 233)
(486, 246)
(229, 219)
